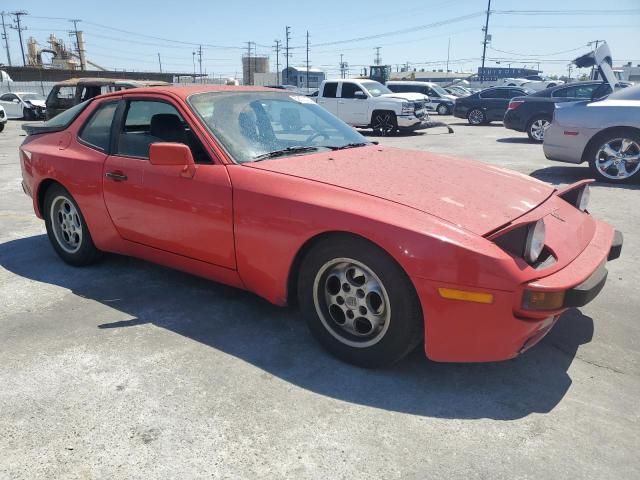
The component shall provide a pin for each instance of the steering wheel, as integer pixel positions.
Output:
(313, 136)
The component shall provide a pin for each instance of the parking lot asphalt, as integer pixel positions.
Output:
(130, 370)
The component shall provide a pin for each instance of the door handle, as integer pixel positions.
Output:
(116, 176)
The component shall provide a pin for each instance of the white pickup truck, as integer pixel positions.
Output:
(369, 104)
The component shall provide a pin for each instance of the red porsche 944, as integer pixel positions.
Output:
(382, 248)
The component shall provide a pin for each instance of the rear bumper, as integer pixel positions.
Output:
(563, 145)
(462, 331)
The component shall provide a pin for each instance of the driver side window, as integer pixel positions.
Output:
(349, 90)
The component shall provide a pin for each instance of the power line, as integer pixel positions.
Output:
(632, 11)
(540, 54)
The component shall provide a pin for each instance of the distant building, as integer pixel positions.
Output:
(491, 74)
(298, 77)
(252, 65)
(630, 73)
(433, 76)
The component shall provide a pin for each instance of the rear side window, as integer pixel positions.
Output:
(97, 131)
(330, 90)
(64, 119)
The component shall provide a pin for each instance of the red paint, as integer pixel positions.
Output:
(244, 224)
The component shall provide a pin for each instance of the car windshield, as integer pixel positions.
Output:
(255, 126)
(630, 93)
(439, 90)
(32, 96)
(375, 88)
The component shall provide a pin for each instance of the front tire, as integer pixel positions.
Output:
(384, 123)
(442, 109)
(358, 302)
(615, 156)
(536, 128)
(2, 126)
(67, 229)
(476, 117)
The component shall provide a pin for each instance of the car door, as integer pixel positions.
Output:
(156, 205)
(12, 105)
(353, 105)
(495, 102)
(328, 98)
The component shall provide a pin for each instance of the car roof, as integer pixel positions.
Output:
(410, 82)
(98, 81)
(183, 92)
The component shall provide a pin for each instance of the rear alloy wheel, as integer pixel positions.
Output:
(476, 117)
(384, 123)
(536, 128)
(359, 303)
(442, 109)
(67, 229)
(616, 157)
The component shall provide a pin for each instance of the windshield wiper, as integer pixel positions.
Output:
(285, 151)
(349, 145)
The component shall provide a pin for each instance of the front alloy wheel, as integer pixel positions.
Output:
(442, 109)
(476, 117)
(358, 302)
(617, 159)
(384, 123)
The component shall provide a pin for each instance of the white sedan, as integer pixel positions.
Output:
(532, 82)
(27, 105)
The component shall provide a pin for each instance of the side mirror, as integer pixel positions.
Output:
(15, 100)
(173, 154)
(360, 95)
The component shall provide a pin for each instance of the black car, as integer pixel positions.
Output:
(533, 113)
(487, 105)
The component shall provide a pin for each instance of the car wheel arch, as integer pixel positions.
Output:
(602, 134)
(41, 192)
(294, 268)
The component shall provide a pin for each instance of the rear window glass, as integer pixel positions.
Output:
(64, 119)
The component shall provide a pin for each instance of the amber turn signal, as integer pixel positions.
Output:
(532, 300)
(465, 295)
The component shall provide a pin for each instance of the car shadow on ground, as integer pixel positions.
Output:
(277, 341)
(515, 140)
(574, 173)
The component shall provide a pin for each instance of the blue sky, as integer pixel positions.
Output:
(415, 31)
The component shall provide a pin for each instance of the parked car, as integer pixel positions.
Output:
(3, 118)
(68, 93)
(383, 249)
(369, 104)
(533, 82)
(532, 113)
(605, 134)
(440, 100)
(27, 105)
(487, 105)
(458, 91)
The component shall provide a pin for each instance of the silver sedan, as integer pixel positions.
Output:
(606, 134)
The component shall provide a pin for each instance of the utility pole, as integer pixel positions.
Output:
(286, 53)
(448, 51)
(341, 66)
(377, 59)
(200, 62)
(193, 58)
(159, 62)
(249, 76)
(6, 40)
(19, 28)
(307, 81)
(79, 44)
(485, 41)
(569, 67)
(277, 47)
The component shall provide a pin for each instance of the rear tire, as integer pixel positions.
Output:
(2, 126)
(67, 229)
(442, 109)
(609, 156)
(476, 117)
(384, 123)
(358, 302)
(537, 126)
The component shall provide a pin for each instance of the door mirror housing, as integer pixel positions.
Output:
(360, 95)
(176, 154)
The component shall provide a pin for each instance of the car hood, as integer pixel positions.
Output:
(472, 195)
(36, 103)
(412, 97)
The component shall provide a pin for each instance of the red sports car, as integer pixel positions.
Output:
(264, 190)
